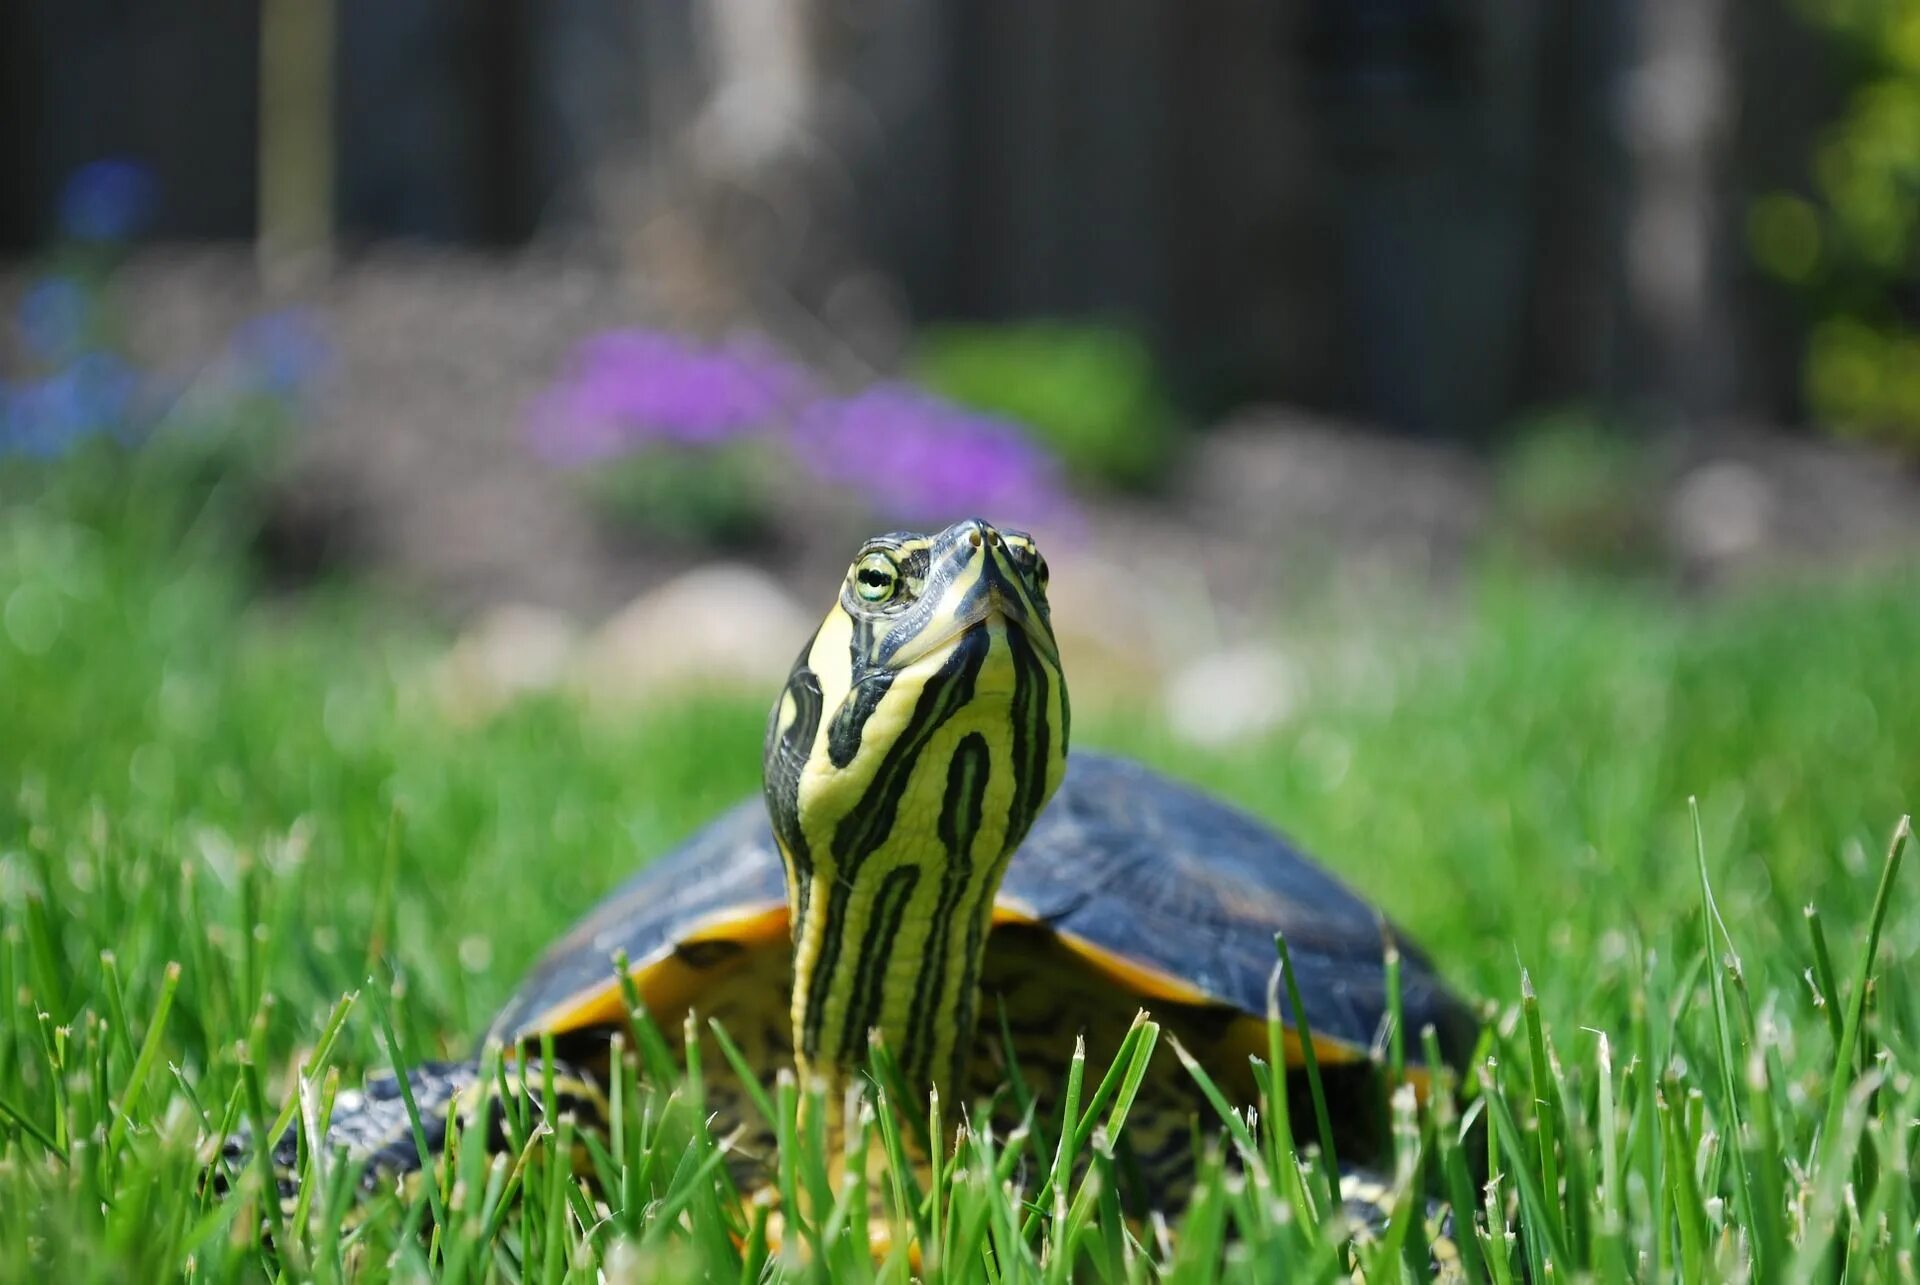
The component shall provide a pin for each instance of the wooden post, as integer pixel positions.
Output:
(295, 167)
(1675, 116)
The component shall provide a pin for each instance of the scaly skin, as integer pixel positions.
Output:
(921, 731)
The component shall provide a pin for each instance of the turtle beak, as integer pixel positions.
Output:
(1007, 598)
(983, 586)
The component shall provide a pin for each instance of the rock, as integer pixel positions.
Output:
(1233, 695)
(510, 651)
(723, 627)
(1721, 510)
(1753, 500)
(1298, 489)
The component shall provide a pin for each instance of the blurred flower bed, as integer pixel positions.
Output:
(70, 387)
(1091, 392)
(709, 442)
(1576, 487)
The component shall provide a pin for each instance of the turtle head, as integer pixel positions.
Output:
(921, 731)
(915, 598)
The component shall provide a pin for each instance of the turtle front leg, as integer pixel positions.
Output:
(371, 1129)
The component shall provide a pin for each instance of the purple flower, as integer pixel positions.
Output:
(108, 200)
(917, 458)
(910, 456)
(625, 389)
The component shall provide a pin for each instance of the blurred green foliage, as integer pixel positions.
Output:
(716, 495)
(1092, 393)
(1577, 488)
(1850, 247)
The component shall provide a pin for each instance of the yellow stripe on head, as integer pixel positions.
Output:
(920, 732)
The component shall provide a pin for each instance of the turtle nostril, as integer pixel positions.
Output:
(973, 537)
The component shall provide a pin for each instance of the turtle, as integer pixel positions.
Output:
(929, 866)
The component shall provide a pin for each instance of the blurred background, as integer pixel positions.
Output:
(1314, 277)
(585, 341)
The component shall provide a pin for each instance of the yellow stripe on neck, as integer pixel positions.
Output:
(918, 736)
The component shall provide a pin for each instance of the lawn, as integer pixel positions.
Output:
(222, 811)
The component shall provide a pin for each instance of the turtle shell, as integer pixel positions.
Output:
(1172, 896)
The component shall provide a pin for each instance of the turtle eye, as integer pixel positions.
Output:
(875, 578)
(1027, 555)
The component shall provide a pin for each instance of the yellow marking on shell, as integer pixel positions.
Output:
(1141, 979)
(756, 925)
(1247, 1037)
(1010, 910)
(665, 982)
(1247, 1034)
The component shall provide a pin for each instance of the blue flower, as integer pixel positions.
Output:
(108, 200)
(43, 419)
(54, 316)
(282, 353)
(47, 418)
(106, 389)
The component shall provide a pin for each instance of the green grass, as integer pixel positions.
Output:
(221, 813)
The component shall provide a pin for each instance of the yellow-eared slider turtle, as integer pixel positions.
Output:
(930, 864)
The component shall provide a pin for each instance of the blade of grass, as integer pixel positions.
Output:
(1119, 1085)
(405, 1084)
(1554, 1250)
(1444, 1111)
(1683, 1192)
(262, 1146)
(122, 1030)
(1310, 1062)
(25, 1123)
(744, 1072)
(1610, 1247)
(1768, 1218)
(1058, 1257)
(799, 1220)
(143, 1064)
(1723, 1032)
(1826, 990)
(1547, 1113)
(1863, 969)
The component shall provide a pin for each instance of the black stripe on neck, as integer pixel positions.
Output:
(961, 809)
(867, 825)
(876, 951)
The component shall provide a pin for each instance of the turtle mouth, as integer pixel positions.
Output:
(998, 598)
